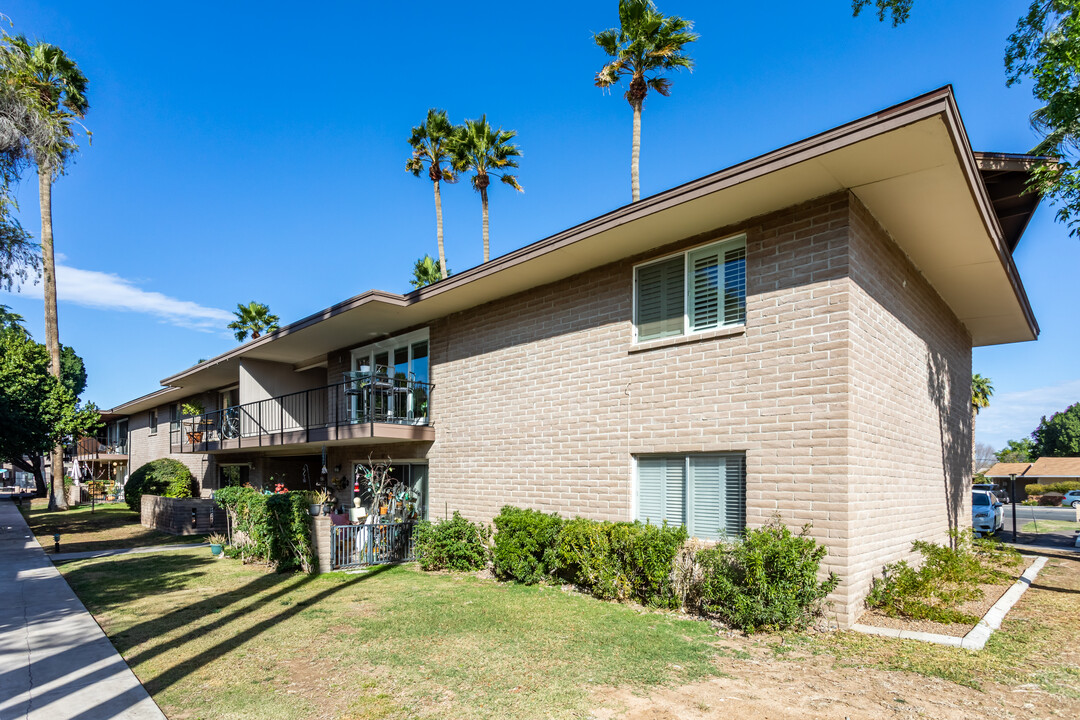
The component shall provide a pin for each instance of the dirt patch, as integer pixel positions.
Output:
(810, 687)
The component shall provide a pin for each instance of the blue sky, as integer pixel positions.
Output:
(257, 150)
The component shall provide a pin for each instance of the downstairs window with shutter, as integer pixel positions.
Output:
(706, 493)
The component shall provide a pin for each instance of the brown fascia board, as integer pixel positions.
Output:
(935, 102)
(136, 405)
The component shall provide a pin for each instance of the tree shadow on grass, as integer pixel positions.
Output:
(111, 582)
(183, 616)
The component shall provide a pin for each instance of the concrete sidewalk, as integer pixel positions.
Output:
(89, 554)
(55, 662)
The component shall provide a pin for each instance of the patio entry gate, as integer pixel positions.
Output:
(360, 545)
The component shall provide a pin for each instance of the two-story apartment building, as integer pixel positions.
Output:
(772, 339)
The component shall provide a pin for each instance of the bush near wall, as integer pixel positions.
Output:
(621, 560)
(275, 529)
(525, 544)
(1051, 499)
(769, 581)
(454, 544)
(165, 477)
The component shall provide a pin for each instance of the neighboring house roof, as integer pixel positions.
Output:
(1000, 470)
(1042, 468)
(1055, 467)
(910, 164)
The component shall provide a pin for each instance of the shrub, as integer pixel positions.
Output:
(1051, 498)
(621, 561)
(1060, 488)
(768, 581)
(167, 477)
(525, 544)
(275, 529)
(1064, 486)
(948, 576)
(454, 544)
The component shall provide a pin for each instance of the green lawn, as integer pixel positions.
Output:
(105, 527)
(217, 639)
(1045, 526)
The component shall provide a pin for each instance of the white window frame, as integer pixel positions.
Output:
(686, 332)
(688, 501)
(407, 340)
(152, 421)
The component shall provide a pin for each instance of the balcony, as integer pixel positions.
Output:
(366, 407)
(87, 449)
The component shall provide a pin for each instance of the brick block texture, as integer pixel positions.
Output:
(849, 368)
(173, 515)
(848, 390)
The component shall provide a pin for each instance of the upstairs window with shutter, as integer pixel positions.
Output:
(706, 493)
(695, 291)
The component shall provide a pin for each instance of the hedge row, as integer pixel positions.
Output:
(166, 477)
(275, 529)
(768, 580)
(1036, 489)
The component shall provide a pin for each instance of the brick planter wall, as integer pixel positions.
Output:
(173, 515)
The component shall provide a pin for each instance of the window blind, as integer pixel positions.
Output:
(660, 299)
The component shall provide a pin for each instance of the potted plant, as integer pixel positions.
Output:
(193, 409)
(217, 545)
(317, 499)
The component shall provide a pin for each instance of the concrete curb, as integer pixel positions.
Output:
(978, 635)
(127, 551)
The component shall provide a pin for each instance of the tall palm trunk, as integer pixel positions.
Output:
(438, 229)
(57, 501)
(483, 202)
(635, 185)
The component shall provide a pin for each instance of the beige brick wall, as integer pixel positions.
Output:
(842, 376)
(145, 446)
(911, 398)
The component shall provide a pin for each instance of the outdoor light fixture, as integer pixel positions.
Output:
(56, 542)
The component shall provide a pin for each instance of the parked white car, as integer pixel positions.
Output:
(987, 512)
(1071, 499)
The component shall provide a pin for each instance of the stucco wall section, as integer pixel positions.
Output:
(910, 394)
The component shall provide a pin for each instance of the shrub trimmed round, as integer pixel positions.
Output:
(453, 544)
(165, 476)
(525, 542)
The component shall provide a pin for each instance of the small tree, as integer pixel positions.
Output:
(1058, 436)
(37, 410)
(254, 318)
(1016, 451)
(426, 271)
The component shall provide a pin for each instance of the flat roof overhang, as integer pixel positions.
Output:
(911, 165)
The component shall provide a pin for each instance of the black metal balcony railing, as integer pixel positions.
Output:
(94, 446)
(361, 398)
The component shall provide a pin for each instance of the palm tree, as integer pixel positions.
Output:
(487, 152)
(431, 144)
(254, 318)
(12, 321)
(981, 391)
(645, 46)
(45, 96)
(426, 271)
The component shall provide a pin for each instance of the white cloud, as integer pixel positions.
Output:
(106, 291)
(1013, 415)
